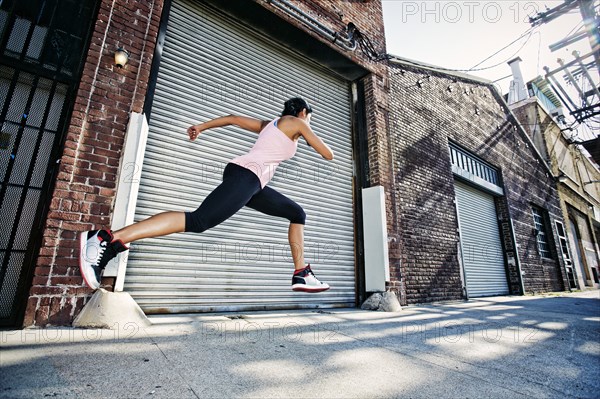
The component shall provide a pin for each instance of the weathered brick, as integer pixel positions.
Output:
(65, 280)
(422, 122)
(32, 304)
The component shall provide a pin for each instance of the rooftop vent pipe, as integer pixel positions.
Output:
(518, 91)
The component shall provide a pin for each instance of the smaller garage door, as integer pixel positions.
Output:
(483, 260)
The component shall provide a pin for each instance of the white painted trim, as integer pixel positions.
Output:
(127, 189)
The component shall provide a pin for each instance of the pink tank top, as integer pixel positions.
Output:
(270, 149)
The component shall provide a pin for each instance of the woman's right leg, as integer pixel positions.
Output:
(155, 226)
(271, 202)
(238, 186)
(98, 247)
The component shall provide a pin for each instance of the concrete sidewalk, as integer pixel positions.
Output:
(495, 347)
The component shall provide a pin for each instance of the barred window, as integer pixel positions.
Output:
(469, 162)
(543, 240)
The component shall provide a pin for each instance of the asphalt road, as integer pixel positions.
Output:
(541, 347)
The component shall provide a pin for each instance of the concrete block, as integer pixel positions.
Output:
(111, 310)
(384, 301)
(372, 302)
(389, 303)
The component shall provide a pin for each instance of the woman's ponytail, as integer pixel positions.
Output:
(294, 106)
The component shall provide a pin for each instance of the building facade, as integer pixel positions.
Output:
(477, 204)
(189, 61)
(440, 145)
(578, 188)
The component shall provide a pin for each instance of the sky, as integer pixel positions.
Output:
(461, 34)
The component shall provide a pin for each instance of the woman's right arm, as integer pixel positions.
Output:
(252, 124)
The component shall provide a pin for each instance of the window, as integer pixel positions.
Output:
(562, 238)
(564, 248)
(470, 163)
(541, 232)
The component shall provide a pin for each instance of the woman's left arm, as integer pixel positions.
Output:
(314, 141)
(251, 124)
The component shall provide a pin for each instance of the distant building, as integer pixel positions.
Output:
(477, 204)
(540, 114)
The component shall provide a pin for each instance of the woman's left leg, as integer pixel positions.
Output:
(273, 203)
(296, 239)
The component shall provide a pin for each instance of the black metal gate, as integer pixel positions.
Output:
(42, 48)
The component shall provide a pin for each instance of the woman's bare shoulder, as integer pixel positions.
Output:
(290, 125)
(288, 118)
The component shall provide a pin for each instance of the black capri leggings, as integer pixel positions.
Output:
(241, 187)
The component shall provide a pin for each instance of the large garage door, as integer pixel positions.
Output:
(211, 66)
(482, 256)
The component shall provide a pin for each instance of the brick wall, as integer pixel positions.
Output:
(366, 15)
(429, 108)
(83, 198)
(508, 245)
(85, 185)
(382, 172)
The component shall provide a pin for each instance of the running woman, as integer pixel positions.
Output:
(244, 183)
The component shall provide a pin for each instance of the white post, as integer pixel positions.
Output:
(127, 189)
(377, 262)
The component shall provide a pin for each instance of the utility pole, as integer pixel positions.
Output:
(592, 25)
(587, 8)
(588, 13)
(547, 16)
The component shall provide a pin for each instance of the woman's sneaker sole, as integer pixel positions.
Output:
(303, 288)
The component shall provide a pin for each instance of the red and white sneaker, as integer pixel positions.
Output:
(96, 249)
(306, 281)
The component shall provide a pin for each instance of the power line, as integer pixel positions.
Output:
(477, 69)
(579, 25)
(528, 31)
(506, 60)
(505, 77)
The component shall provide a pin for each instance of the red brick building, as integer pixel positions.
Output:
(119, 154)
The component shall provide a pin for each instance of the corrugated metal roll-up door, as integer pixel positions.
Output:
(482, 256)
(212, 66)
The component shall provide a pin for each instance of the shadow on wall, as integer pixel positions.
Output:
(429, 220)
